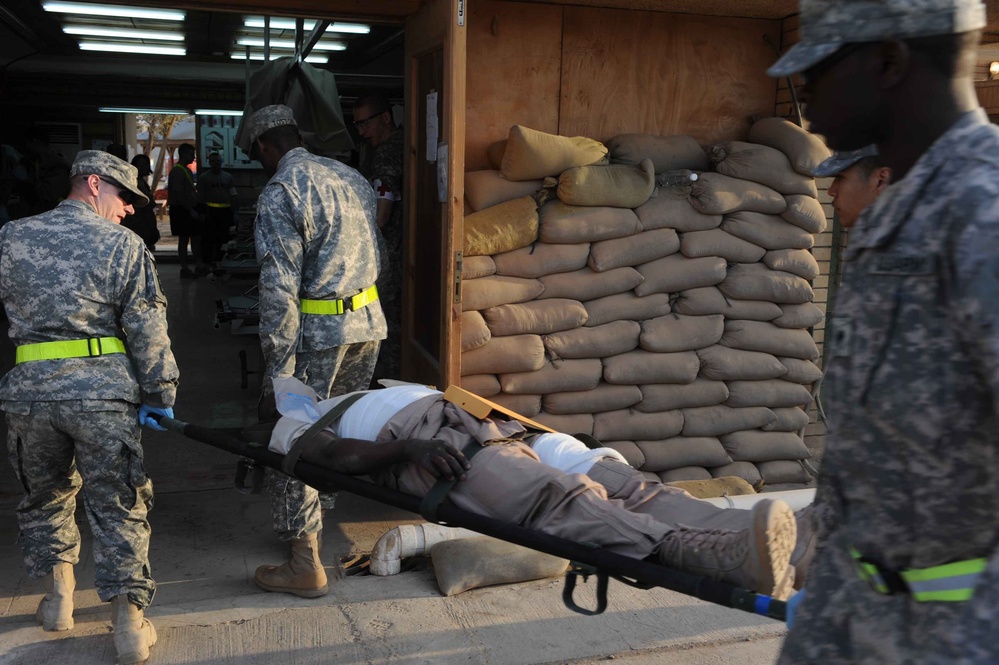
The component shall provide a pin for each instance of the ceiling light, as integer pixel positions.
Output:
(122, 33)
(86, 9)
(287, 43)
(216, 112)
(145, 49)
(116, 109)
(993, 70)
(289, 24)
(314, 59)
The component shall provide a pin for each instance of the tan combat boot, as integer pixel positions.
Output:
(804, 549)
(133, 633)
(55, 612)
(755, 557)
(303, 575)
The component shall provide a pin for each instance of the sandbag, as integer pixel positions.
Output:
(626, 307)
(789, 419)
(494, 153)
(710, 300)
(767, 338)
(586, 284)
(524, 405)
(768, 231)
(773, 393)
(486, 292)
(755, 281)
(483, 385)
(605, 397)
(759, 163)
(745, 470)
(632, 455)
(714, 488)
(668, 153)
(616, 185)
(538, 317)
(484, 189)
(518, 353)
(474, 331)
(474, 267)
(685, 474)
(804, 315)
(677, 332)
(541, 259)
(720, 419)
(567, 376)
(804, 150)
(633, 250)
(721, 363)
(798, 262)
(635, 367)
(502, 228)
(717, 194)
(682, 451)
(806, 212)
(675, 273)
(575, 423)
(562, 223)
(669, 397)
(634, 425)
(760, 446)
(530, 154)
(600, 341)
(800, 371)
(717, 242)
(471, 563)
(784, 472)
(666, 212)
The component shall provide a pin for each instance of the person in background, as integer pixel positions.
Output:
(143, 220)
(93, 363)
(859, 178)
(217, 202)
(185, 222)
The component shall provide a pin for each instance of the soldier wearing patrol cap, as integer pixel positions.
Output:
(93, 361)
(859, 178)
(907, 569)
(320, 317)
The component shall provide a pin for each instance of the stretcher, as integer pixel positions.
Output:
(251, 445)
(241, 312)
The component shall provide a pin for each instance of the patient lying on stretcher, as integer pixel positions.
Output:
(408, 437)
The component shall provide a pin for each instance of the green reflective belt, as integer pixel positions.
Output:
(77, 348)
(951, 582)
(340, 305)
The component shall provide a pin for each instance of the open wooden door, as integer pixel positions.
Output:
(434, 193)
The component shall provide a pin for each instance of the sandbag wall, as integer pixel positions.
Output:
(670, 321)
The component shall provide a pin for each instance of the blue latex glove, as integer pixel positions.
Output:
(144, 412)
(792, 606)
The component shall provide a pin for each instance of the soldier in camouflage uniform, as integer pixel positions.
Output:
(320, 317)
(907, 569)
(89, 322)
(373, 120)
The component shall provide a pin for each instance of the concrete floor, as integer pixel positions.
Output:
(208, 539)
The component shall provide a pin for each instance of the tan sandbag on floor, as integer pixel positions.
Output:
(538, 317)
(626, 307)
(636, 367)
(745, 470)
(717, 194)
(800, 371)
(541, 259)
(680, 451)
(677, 332)
(616, 185)
(474, 332)
(632, 455)
(633, 250)
(783, 472)
(586, 284)
(494, 153)
(530, 154)
(524, 405)
(567, 376)
(806, 212)
(760, 446)
(716, 487)
(765, 337)
(575, 423)
(668, 153)
(721, 363)
(772, 393)
(605, 397)
(486, 292)
(803, 149)
(669, 397)
(710, 300)
(675, 273)
(789, 419)
(471, 563)
(717, 242)
(474, 267)
(662, 212)
(484, 189)
(601, 341)
(562, 223)
(631, 424)
(483, 385)
(518, 353)
(685, 474)
(768, 231)
(502, 228)
(720, 419)
(755, 281)
(763, 164)
(798, 262)
(804, 315)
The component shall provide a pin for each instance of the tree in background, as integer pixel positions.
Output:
(157, 128)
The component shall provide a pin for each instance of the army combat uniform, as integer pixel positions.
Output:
(65, 275)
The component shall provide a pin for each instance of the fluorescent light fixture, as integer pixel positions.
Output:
(88, 9)
(216, 112)
(122, 33)
(144, 49)
(288, 43)
(313, 59)
(289, 24)
(116, 109)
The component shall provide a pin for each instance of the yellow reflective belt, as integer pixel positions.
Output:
(77, 348)
(341, 305)
(219, 205)
(950, 582)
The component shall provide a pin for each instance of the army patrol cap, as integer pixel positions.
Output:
(106, 165)
(267, 118)
(841, 161)
(826, 25)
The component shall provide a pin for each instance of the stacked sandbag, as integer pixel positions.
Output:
(671, 323)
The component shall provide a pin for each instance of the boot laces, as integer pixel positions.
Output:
(715, 547)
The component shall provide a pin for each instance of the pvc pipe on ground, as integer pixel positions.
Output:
(797, 499)
(410, 540)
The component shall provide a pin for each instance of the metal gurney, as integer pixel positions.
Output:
(241, 312)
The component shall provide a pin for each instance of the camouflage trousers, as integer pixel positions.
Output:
(295, 507)
(390, 296)
(57, 447)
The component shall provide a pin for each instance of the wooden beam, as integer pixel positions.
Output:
(393, 11)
